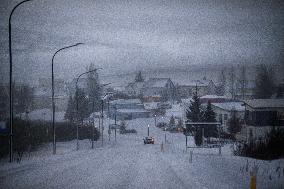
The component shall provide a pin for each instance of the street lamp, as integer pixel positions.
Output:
(10, 81)
(77, 106)
(165, 135)
(106, 96)
(52, 83)
(148, 130)
(155, 120)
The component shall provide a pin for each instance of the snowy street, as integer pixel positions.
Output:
(131, 164)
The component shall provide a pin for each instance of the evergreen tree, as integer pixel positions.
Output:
(234, 123)
(194, 113)
(209, 116)
(70, 113)
(265, 85)
(83, 102)
(94, 90)
(198, 136)
(139, 77)
(172, 123)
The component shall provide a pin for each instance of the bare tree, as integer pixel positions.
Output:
(265, 85)
(242, 81)
(232, 82)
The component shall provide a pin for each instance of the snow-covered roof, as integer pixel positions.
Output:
(265, 103)
(193, 83)
(126, 101)
(212, 97)
(156, 82)
(150, 105)
(132, 111)
(230, 106)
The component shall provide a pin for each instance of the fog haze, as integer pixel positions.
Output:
(126, 36)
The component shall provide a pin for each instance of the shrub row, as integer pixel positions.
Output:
(271, 147)
(28, 135)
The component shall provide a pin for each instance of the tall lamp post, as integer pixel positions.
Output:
(10, 82)
(148, 130)
(77, 106)
(52, 83)
(106, 96)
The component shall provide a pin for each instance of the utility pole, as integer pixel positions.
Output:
(115, 122)
(102, 122)
(109, 132)
(165, 135)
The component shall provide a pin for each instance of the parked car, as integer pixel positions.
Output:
(149, 140)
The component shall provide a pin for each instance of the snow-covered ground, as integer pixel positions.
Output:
(128, 163)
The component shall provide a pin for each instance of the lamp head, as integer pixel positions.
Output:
(79, 44)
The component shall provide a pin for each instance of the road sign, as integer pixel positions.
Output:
(3, 127)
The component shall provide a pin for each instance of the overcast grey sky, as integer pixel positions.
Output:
(130, 35)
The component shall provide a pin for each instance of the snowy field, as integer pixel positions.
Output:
(128, 163)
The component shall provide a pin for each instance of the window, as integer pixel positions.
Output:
(225, 116)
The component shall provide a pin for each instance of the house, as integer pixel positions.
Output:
(163, 87)
(203, 87)
(128, 109)
(214, 99)
(134, 88)
(224, 112)
(260, 116)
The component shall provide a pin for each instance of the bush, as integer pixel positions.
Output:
(28, 135)
(123, 129)
(272, 147)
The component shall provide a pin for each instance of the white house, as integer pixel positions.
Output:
(224, 112)
(163, 87)
(128, 109)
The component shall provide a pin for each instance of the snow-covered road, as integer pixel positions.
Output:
(129, 163)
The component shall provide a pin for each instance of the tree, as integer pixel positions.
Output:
(232, 82)
(83, 103)
(221, 88)
(139, 77)
(94, 90)
(234, 123)
(194, 113)
(172, 123)
(70, 113)
(264, 82)
(243, 81)
(209, 116)
(23, 98)
(198, 136)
